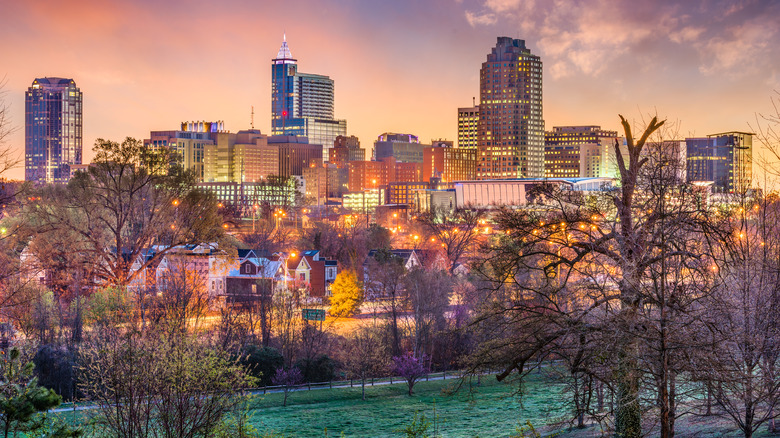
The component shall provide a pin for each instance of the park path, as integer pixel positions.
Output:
(340, 384)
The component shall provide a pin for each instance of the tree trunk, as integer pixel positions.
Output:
(627, 414)
(394, 328)
(600, 396)
(628, 417)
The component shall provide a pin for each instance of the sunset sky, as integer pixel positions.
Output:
(399, 66)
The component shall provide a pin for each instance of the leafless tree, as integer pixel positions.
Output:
(8, 159)
(182, 298)
(159, 386)
(384, 285)
(614, 275)
(742, 370)
(287, 322)
(129, 200)
(457, 232)
(363, 355)
(428, 293)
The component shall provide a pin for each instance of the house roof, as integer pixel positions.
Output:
(268, 268)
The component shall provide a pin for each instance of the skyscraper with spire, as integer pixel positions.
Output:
(510, 130)
(302, 103)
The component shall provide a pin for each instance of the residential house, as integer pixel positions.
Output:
(433, 260)
(315, 271)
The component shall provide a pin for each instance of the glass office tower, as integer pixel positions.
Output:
(302, 103)
(53, 122)
(726, 159)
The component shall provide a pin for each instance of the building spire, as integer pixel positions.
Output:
(284, 56)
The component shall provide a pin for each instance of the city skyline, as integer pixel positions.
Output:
(401, 67)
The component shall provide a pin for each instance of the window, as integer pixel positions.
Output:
(303, 277)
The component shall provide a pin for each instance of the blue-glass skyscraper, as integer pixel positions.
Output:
(53, 138)
(302, 104)
(726, 159)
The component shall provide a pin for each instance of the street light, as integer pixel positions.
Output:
(254, 213)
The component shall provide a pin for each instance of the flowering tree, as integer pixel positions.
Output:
(287, 379)
(410, 368)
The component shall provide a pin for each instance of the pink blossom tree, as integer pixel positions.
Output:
(410, 368)
(287, 379)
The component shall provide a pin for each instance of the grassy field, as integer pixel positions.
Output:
(491, 409)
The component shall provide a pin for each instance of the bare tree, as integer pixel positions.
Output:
(363, 356)
(129, 200)
(8, 159)
(741, 370)
(608, 275)
(457, 232)
(160, 386)
(182, 298)
(428, 293)
(287, 322)
(384, 284)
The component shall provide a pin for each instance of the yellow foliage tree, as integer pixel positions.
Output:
(347, 294)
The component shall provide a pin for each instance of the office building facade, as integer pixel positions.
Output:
(510, 131)
(405, 148)
(580, 152)
(302, 104)
(726, 159)
(53, 129)
(346, 149)
(189, 143)
(468, 119)
(372, 174)
(295, 154)
(449, 164)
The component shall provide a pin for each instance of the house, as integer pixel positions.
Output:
(194, 262)
(31, 267)
(429, 259)
(316, 271)
(254, 278)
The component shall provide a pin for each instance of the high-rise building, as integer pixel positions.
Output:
(468, 119)
(580, 152)
(510, 132)
(53, 122)
(726, 159)
(302, 104)
(189, 143)
(405, 148)
(346, 149)
(295, 154)
(449, 164)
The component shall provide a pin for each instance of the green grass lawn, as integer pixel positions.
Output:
(488, 410)
(491, 409)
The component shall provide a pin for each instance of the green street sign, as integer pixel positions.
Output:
(313, 314)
